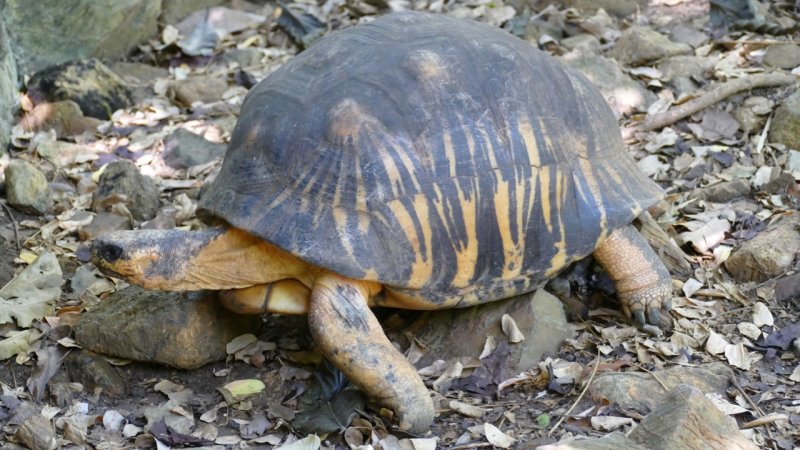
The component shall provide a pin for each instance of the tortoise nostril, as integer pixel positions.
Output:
(110, 252)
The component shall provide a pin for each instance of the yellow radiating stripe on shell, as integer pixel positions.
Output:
(559, 260)
(529, 138)
(449, 153)
(544, 188)
(422, 267)
(466, 256)
(512, 251)
(594, 189)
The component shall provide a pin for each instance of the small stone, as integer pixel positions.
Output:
(768, 254)
(685, 34)
(243, 57)
(37, 433)
(619, 8)
(584, 43)
(641, 45)
(636, 391)
(183, 149)
(198, 89)
(183, 330)
(93, 372)
(27, 188)
(687, 419)
(788, 288)
(782, 56)
(686, 66)
(122, 178)
(785, 128)
(748, 119)
(724, 192)
(623, 94)
(96, 89)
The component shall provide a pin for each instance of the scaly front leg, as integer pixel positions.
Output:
(349, 335)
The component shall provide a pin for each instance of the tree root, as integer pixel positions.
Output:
(717, 93)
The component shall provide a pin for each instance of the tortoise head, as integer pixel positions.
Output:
(153, 259)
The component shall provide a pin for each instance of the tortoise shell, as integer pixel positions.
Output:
(435, 155)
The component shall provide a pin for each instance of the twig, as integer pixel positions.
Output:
(719, 92)
(577, 400)
(14, 224)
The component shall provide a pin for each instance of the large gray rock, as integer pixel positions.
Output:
(47, 32)
(454, 333)
(641, 45)
(785, 127)
(622, 93)
(769, 254)
(782, 56)
(8, 87)
(27, 188)
(179, 329)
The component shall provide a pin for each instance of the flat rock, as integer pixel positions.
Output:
(685, 34)
(622, 93)
(173, 11)
(183, 149)
(463, 332)
(93, 372)
(183, 330)
(769, 254)
(198, 89)
(8, 87)
(27, 188)
(620, 8)
(642, 392)
(687, 419)
(788, 288)
(686, 66)
(782, 56)
(785, 128)
(641, 45)
(88, 28)
(96, 89)
(723, 192)
(122, 178)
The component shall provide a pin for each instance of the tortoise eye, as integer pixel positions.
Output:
(110, 252)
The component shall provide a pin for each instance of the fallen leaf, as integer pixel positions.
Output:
(241, 389)
(511, 330)
(310, 442)
(716, 344)
(466, 409)
(18, 342)
(31, 295)
(762, 315)
(738, 356)
(497, 437)
(240, 342)
(609, 423)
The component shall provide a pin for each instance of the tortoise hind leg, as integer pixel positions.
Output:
(643, 283)
(349, 335)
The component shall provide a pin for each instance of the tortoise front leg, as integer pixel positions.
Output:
(643, 283)
(349, 335)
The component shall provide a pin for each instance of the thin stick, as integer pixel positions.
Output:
(719, 92)
(577, 400)
(14, 224)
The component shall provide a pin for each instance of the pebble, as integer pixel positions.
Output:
(27, 188)
(122, 178)
(782, 56)
(768, 254)
(183, 149)
(642, 45)
(785, 128)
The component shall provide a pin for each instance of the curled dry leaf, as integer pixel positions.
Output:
(749, 329)
(497, 437)
(716, 344)
(31, 295)
(241, 389)
(511, 330)
(738, 356)
(762, 315)
(610, 423)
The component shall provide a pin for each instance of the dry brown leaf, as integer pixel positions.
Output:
(511, 330)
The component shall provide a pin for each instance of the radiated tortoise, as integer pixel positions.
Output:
(417, 161)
